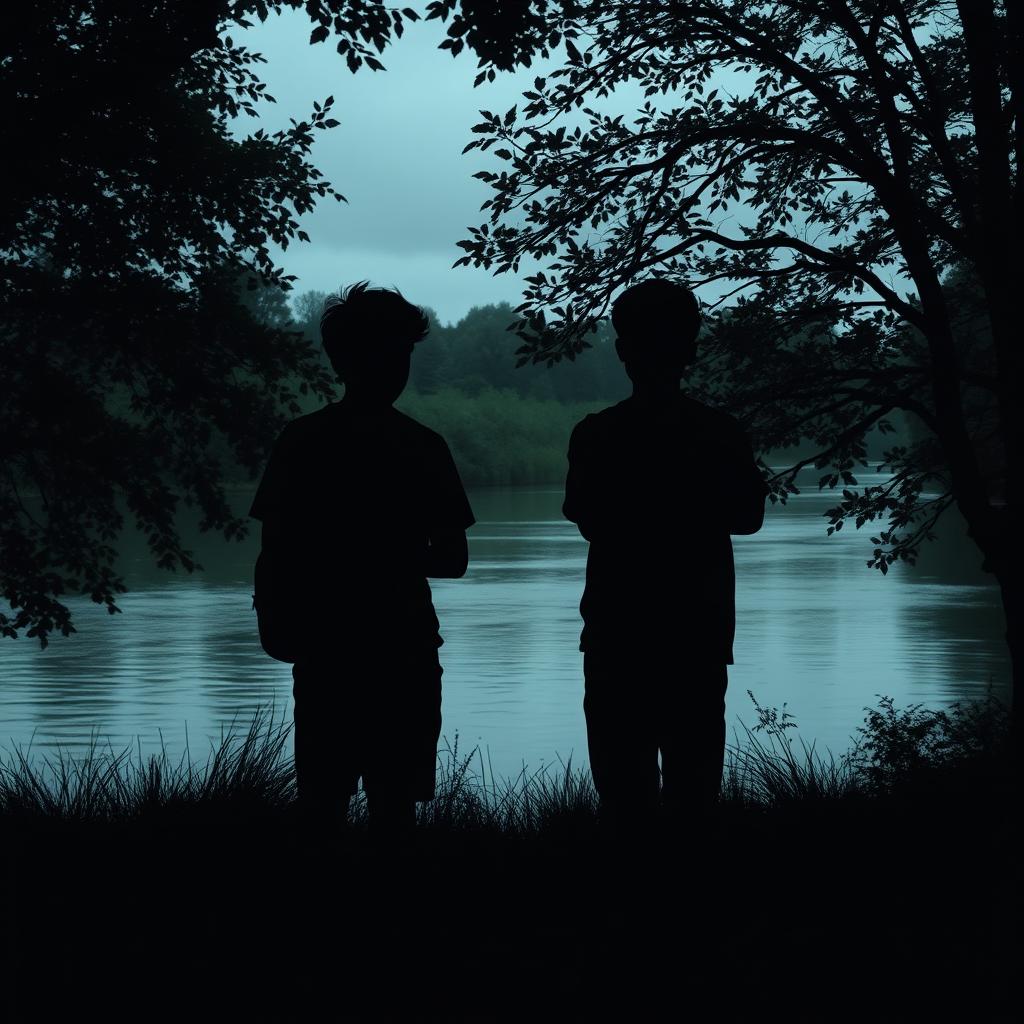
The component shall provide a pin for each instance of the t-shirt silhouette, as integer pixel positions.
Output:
(657, 492)
(351, 499)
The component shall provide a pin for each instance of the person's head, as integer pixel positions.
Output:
(368, 335)
(656, 325)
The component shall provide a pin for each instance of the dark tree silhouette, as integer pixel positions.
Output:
(857, 153)
(130, 212)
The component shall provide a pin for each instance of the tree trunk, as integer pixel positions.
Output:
(1012, 589)
(1012, 586)
(1000, 540)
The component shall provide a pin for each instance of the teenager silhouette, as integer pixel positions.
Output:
(360, 504)
(656, 484)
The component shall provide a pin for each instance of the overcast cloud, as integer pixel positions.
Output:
(396, 157)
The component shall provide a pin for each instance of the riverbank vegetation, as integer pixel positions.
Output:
(505, 424)
(881, 881)
(767, 766)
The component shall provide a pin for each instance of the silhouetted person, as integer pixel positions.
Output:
(657, 483)
(360, 504)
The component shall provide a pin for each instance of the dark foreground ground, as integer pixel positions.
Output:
(900, 909)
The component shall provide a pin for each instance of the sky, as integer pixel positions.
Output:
(396, 157)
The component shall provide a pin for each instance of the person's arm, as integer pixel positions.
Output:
(272, 490)
(741, 488)
(578, 506)
(447, 555)
(447, 552)
(270, 533)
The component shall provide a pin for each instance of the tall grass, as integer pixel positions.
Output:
(767, 771)
(895, 750)
(471, 796)
(245, 770)
(248, 773)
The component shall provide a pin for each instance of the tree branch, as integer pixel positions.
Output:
(831, 261)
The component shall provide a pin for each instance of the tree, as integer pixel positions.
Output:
(826, 163)
(130, 213)
(307, 308)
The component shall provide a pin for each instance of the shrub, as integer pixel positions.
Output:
(901, 747)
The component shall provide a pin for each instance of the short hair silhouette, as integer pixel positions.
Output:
(647, 308)
(361, 317)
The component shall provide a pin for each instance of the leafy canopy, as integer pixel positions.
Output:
(822, 167)
(135, 219)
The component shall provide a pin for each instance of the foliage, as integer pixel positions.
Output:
(500, 437)
(504, 34)
(504, 426)
(896, 750)
(896, 747)
(131, 211)
(826, 164)
(478, 352)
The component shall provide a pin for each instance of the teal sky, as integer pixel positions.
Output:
(396, 157)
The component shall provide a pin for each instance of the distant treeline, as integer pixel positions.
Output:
(504, 425)
(479, 353)
(500, 437)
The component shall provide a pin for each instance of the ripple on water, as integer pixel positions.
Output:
(816, 630)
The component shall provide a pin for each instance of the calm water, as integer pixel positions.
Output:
(816, 630)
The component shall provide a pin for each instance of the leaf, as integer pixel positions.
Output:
(319, 34)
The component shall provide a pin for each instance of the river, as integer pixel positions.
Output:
(817, 631)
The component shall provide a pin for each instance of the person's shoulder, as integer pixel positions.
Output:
(612, 413)
(596, 424)
(709, 415)
(310, 425)
(415, 431)
(317, 419)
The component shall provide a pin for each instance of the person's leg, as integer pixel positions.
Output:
(324, 777)
(621, 743)
(405, 726)
(392, 812)
(692, 738)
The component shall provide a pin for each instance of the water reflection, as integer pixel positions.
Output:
(816, 630)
